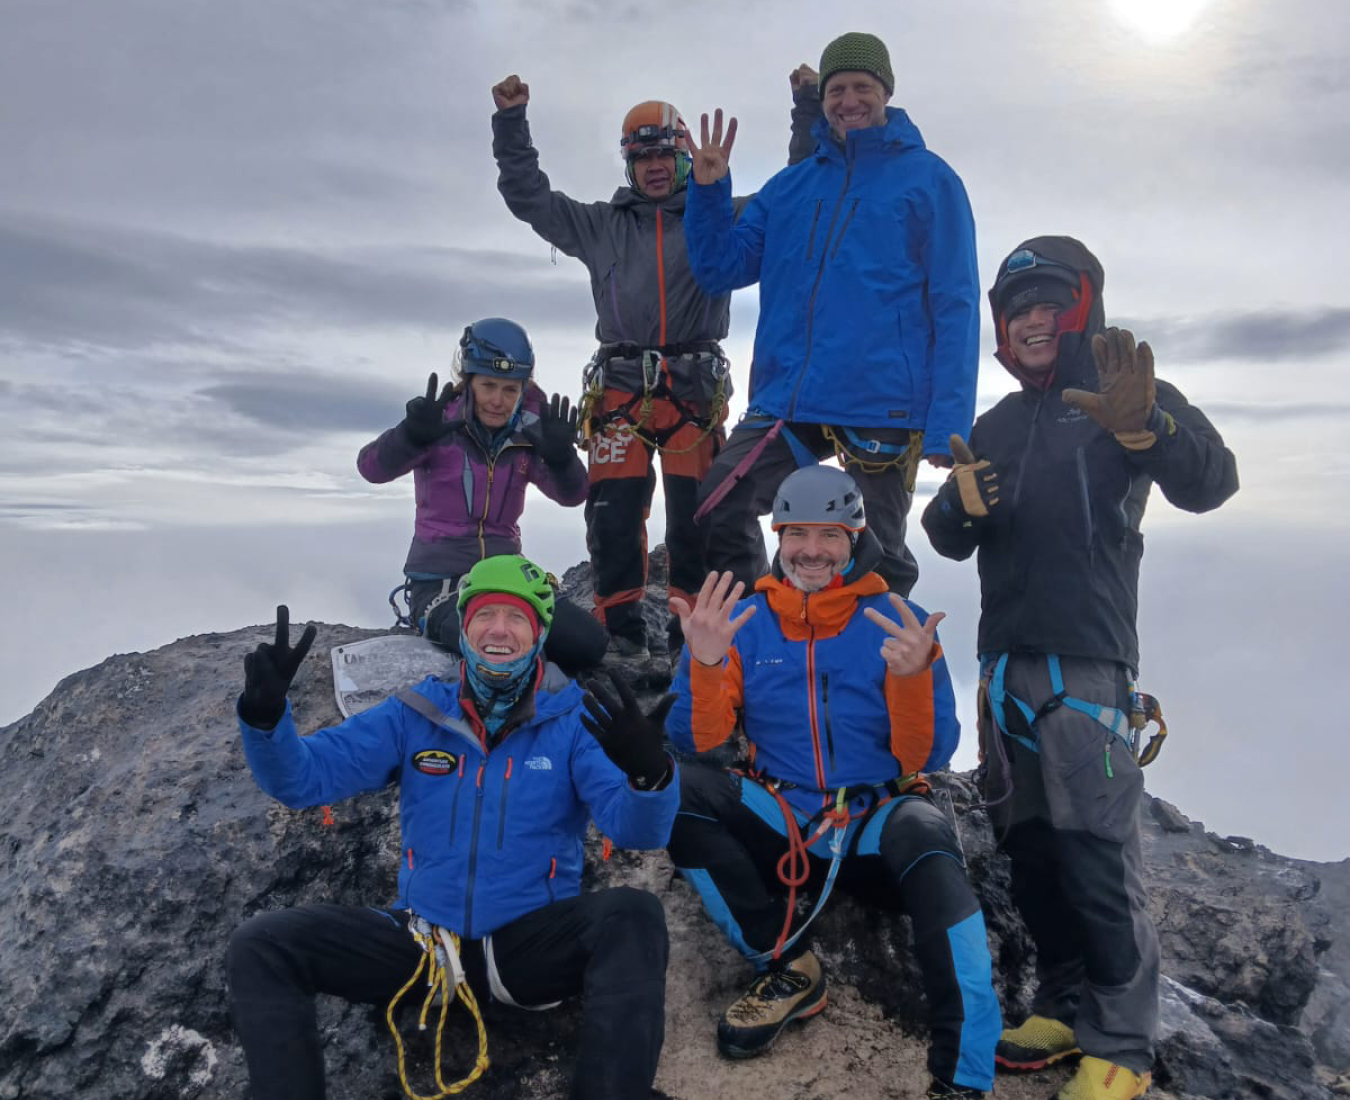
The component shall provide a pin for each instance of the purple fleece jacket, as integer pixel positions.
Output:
(469, 501)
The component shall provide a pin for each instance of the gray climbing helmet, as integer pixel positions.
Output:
(819, 495)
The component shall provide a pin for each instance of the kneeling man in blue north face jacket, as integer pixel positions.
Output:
(499, 775)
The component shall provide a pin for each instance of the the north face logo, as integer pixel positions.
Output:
(539, 764)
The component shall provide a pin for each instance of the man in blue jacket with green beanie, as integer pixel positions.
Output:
(499, 774)
(867, 344)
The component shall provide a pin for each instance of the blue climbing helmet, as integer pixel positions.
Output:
(497, 347)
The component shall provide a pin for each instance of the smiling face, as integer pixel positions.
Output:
(854, 101)
(813, 555)
(1033, 337)
(500, 632)
(494, 399)
(654, 172)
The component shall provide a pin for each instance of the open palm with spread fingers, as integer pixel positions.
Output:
(712, 155)
(708, 626)
(909, 649)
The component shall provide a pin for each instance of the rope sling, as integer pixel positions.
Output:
(445, 977)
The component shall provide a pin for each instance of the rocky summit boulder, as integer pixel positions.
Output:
(135, 840)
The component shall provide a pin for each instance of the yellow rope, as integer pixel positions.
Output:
(438, 981)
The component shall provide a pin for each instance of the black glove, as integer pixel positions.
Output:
(554, 434)
(268, 672)
(633, 740)
(424, 421)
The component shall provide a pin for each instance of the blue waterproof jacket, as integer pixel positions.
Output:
(868, 283)
(805, 680)
(487, 836)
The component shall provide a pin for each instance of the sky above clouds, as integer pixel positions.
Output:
(235, 239)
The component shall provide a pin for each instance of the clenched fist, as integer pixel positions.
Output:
(511, 92)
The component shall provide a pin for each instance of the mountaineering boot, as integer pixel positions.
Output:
(940, 1090)
(1098, 1079)
(1037, 1043)
(778, 997)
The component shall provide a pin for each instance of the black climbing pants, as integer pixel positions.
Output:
(609, 947)
(903, 855)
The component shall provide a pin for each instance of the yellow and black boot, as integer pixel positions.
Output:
(1098, 1079)
(1035, 1044)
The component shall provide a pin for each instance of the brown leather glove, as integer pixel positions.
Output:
(1126, 393)
(976, 481)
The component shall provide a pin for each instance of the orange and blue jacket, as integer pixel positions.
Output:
(806, 680)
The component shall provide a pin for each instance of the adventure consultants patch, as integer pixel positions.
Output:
(435, 762)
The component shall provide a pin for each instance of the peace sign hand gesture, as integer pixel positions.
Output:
(268, 672)
(424, 421)
(909, 649)
(708, 626)
(712, 155)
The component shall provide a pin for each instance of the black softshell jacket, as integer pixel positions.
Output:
(1059, 554)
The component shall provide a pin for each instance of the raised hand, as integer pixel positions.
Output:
(268, 672)
(554, 435)
(511, 92)
(803, 76)
(1126, 391)
(708, 626)
(634, 741)
(712, 154)
(909, 649)
(977, 481)
(424, 421)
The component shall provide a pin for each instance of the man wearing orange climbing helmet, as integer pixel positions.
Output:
(659, 381)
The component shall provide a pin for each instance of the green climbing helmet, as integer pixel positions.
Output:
(514, 575)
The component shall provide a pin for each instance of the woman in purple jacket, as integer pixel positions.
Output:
(472, 451)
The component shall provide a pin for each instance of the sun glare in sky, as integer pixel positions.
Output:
(1158, 19)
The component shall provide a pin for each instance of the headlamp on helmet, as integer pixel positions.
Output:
(653, 128)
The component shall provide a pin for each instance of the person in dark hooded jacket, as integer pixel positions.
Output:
(1050, 495)
(659, 382)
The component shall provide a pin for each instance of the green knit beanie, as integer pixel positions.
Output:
(860, 52)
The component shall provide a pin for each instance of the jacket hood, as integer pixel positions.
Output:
(1074, 366)
(899, 134)
(630, 198)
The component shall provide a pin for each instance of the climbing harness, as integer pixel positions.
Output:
(654, 364)
(794, 866)
(1126, 726)
(880, 457)
(446, 979)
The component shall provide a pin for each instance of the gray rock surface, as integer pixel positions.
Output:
(135, 841)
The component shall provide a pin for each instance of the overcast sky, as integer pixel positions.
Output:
(234, 240)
